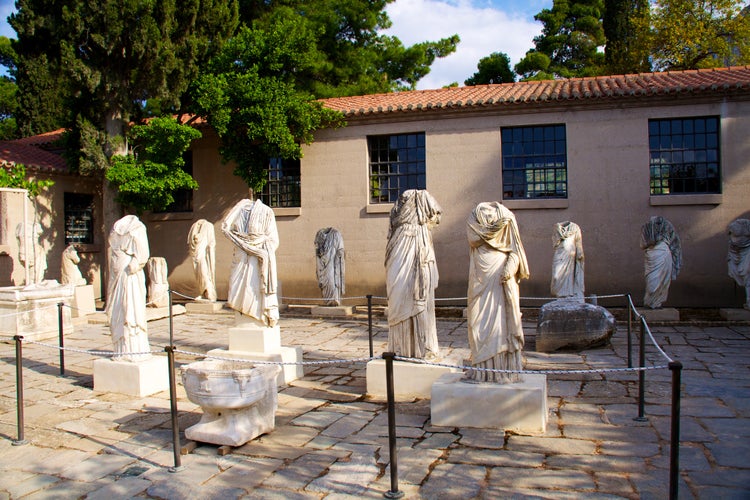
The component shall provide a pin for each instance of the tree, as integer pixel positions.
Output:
(8, 92)
(495, 68)
(249, 97)
(569, 43)
(15, 177)
(693, 34)
(147, 178)
(626, 30)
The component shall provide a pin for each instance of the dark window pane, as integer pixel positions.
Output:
(401, 166)
(536, 158)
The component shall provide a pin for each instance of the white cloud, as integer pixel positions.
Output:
(483, 29)
(7, 7)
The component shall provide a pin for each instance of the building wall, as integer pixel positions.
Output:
(608, 197)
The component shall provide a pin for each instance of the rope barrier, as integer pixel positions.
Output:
(285, 363)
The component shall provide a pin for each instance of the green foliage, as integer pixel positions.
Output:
(626, 29)
(148, 178)
(495, 68)
(249, 97)
(570, 40)
(15, 177)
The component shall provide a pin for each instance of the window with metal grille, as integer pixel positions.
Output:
(79, 218)
(535, 163)
(684, 155)
(397, 163)
(283, 186)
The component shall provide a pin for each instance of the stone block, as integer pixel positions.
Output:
(139, 379)
(519, 407)
(735, 314)
(331, 311)
(204, 307)
(410, 380)
(573, 325)
(83, 301)
(31, 311)
(659, 315)
(287, 374)
(253, 338)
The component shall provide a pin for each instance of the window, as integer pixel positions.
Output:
(79, 218)
(283, 186)
(183, 198)
(397, 163)
(684, 155)
(535, 162)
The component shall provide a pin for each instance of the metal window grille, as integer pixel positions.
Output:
(283, 186)
(397, 163)
(79, 218)
(684, 156)
(535, 162)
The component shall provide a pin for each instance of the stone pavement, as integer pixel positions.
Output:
(331, 440)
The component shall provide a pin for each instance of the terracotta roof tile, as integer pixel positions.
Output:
(694, 82)
(33, 157)
(41, 139)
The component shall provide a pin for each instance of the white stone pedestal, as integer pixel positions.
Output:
(520, 407)
(254, 338)
(204, 307)
(410, 380)
(735, 314)
(83, 301)
(662, 314)
(331, 311)
(139, 379)
(31, 311)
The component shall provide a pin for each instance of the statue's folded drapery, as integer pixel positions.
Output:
(662, 259)
(330, 265)
(567, 261)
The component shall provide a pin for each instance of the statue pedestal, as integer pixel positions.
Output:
(83, 301)
(735, 314)
(139, 379)
(204, 307)
(519, 407)
(331, 311)
(410, 380)
(31, 310)
(254, 338)
(661, 314)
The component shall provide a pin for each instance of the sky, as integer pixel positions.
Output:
(485, 26)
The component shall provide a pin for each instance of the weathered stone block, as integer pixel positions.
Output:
(571, 324)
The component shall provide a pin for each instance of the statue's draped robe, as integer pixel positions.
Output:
(202, 246)
(497, 263)
(251, 226)
(330, 268)
(567, 261)
(662, 259)
(126, 289)
(412, 276)
(738, 258)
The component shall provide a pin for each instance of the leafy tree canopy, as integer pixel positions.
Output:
(147, 178)
(495, 68)
(15, 177)
(626, 24)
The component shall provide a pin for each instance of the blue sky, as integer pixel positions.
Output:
(485, 26)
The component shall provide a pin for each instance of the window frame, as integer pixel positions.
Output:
(78, 216)
(292, 198)
(397, 161)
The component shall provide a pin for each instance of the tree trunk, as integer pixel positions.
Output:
(111, 210)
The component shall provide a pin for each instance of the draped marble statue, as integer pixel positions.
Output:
(69, 272)
(738, 259)
(251, 227)
(126, 289)
(412, 276)
(158, 285)
(329, 253)
(31, 252)
(567, 261)
(202, 246)
(662, 259)
(497, 263)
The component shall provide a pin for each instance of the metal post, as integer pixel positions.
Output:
(393, 492)
(630, 330)
(642, 374)
(369, 321)
(61, 342)
(171, 327)
(173, 407)
(19, 391)
(674, 446)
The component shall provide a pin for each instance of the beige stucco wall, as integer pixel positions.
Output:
(608, 197)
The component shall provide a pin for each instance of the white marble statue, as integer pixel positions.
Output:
(126, 289)
(251, 226)
(662, 259)
(202, 246)
(69, 272)
(158, 284)
(497, 263)
(32, 254)
(567, 261)
(329, 253)
(738, 259)
(412, 276)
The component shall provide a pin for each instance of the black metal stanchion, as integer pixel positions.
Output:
(173, 407)
(19, 391)
(171, 326)
(369, 321)
(630, 330)
(642, 375)
(394, 491)
(61, 342)
(674, 446)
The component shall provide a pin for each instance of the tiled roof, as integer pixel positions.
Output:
(33, 157)
(41, 139)
(600, 88)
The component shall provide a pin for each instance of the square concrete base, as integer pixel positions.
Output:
(663, 314)
(83, 301)
(204, 307)
(287, 374)
(254, 338)
(134, 379)
(735, 314)
(519, 407)
(32, 311)
(331, 311)
(410, 380)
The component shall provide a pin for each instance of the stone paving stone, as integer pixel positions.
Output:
(555, 446)
(571, 480)
(122, 488)
(347, 425)
(55, 463)
(96, 467)
(594, 463)
(642, 448)
(179, 491)
(246, 474)
(350, 478)
(30, 483)
(495, 458)
(614, 484)
(281, 451)
(437, 440)
(304, 470)
(482, 438)
(269, 494)
(414, 465)
(450, 480)
(318, 420)
(730, 454)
